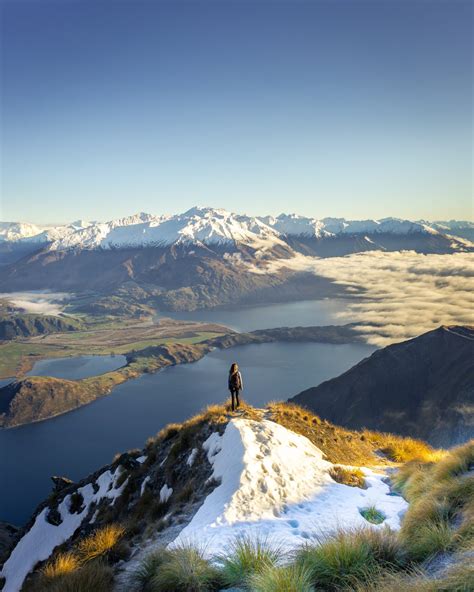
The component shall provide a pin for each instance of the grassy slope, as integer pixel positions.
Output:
(361, 561)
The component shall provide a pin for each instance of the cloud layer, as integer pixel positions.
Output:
(398, 295)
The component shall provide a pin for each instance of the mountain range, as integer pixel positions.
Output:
(209, 225)
(201, 258)
(423, 387)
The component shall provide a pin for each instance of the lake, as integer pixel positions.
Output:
(77, 443)
(305, 313)
(77, 368)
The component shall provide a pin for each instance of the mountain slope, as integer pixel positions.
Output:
(218, 474)
(423, 387)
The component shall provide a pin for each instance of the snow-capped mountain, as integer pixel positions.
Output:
(15, 231)
(197, 225)
(210, 226)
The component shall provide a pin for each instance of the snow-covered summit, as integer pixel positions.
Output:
(276, 484)
(15, 231)
(205, 225)
(210, 226)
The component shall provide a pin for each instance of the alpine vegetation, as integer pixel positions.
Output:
(257, 501)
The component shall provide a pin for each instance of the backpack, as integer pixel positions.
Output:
(235, 382)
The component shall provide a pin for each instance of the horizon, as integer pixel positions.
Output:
(353, 110)
(203, 207)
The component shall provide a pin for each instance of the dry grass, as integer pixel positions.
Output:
(401, 450)
(92, 577)
(63, 563)
(348, 476)
(244, 557)
(441, 496)
(100, 543)
(338, 444)
(350, 447)
(291, 578)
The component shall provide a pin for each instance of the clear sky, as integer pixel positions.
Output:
(344, 108)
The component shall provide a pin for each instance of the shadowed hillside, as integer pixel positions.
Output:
(423, 387)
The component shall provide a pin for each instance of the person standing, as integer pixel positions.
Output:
(235, 384)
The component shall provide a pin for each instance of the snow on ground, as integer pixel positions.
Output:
(275, 484)
(165, 493)
(40, 302)
(42, 538)
(192, 457)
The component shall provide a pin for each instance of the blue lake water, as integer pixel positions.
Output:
(79, 442)
(305, 313)
(77, 368)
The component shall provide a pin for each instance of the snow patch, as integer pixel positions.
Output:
(276, 484)
(42, 538)
(144, 482)
(165, 493)
(192, 457)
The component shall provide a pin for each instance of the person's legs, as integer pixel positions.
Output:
(237, 398)
(232, 392)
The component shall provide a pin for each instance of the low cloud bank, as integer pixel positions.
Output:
(48, 303)
(398, 295)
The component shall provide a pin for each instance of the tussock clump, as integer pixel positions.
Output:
(101, 542)
(178, 569)
(441, 511)
(245, 557)
(372, 515)
(429, 539)
(92, 577)
(149, 568)
(401, 449)
(337, 562)
(350, 557)
(292, 578)
(63, 563)
(348, 476)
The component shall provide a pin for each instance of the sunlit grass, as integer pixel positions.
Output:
(100, 542)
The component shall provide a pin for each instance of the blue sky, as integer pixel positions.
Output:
(344, 108)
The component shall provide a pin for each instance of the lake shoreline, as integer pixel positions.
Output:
(36, 398)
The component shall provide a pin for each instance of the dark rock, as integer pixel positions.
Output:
(127, 461)
(61, 483)
(54, 517)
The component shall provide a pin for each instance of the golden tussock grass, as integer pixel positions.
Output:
(401, 450)
(100, 542)
(441, 495)
(212, 415)
(63, 563)
(95, 576)
(349, 446)
(348, 476)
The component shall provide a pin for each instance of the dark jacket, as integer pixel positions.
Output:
(235, 381)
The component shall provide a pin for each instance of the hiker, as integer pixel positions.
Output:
(235, 384)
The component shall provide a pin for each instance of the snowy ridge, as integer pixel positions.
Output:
(43, 537)
(208, 225)
(276, 484)
(272, 483)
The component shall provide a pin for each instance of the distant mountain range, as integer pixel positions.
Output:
(201, 258)
(423, 387)
(210, 226)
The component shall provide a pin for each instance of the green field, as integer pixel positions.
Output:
(17, 357)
